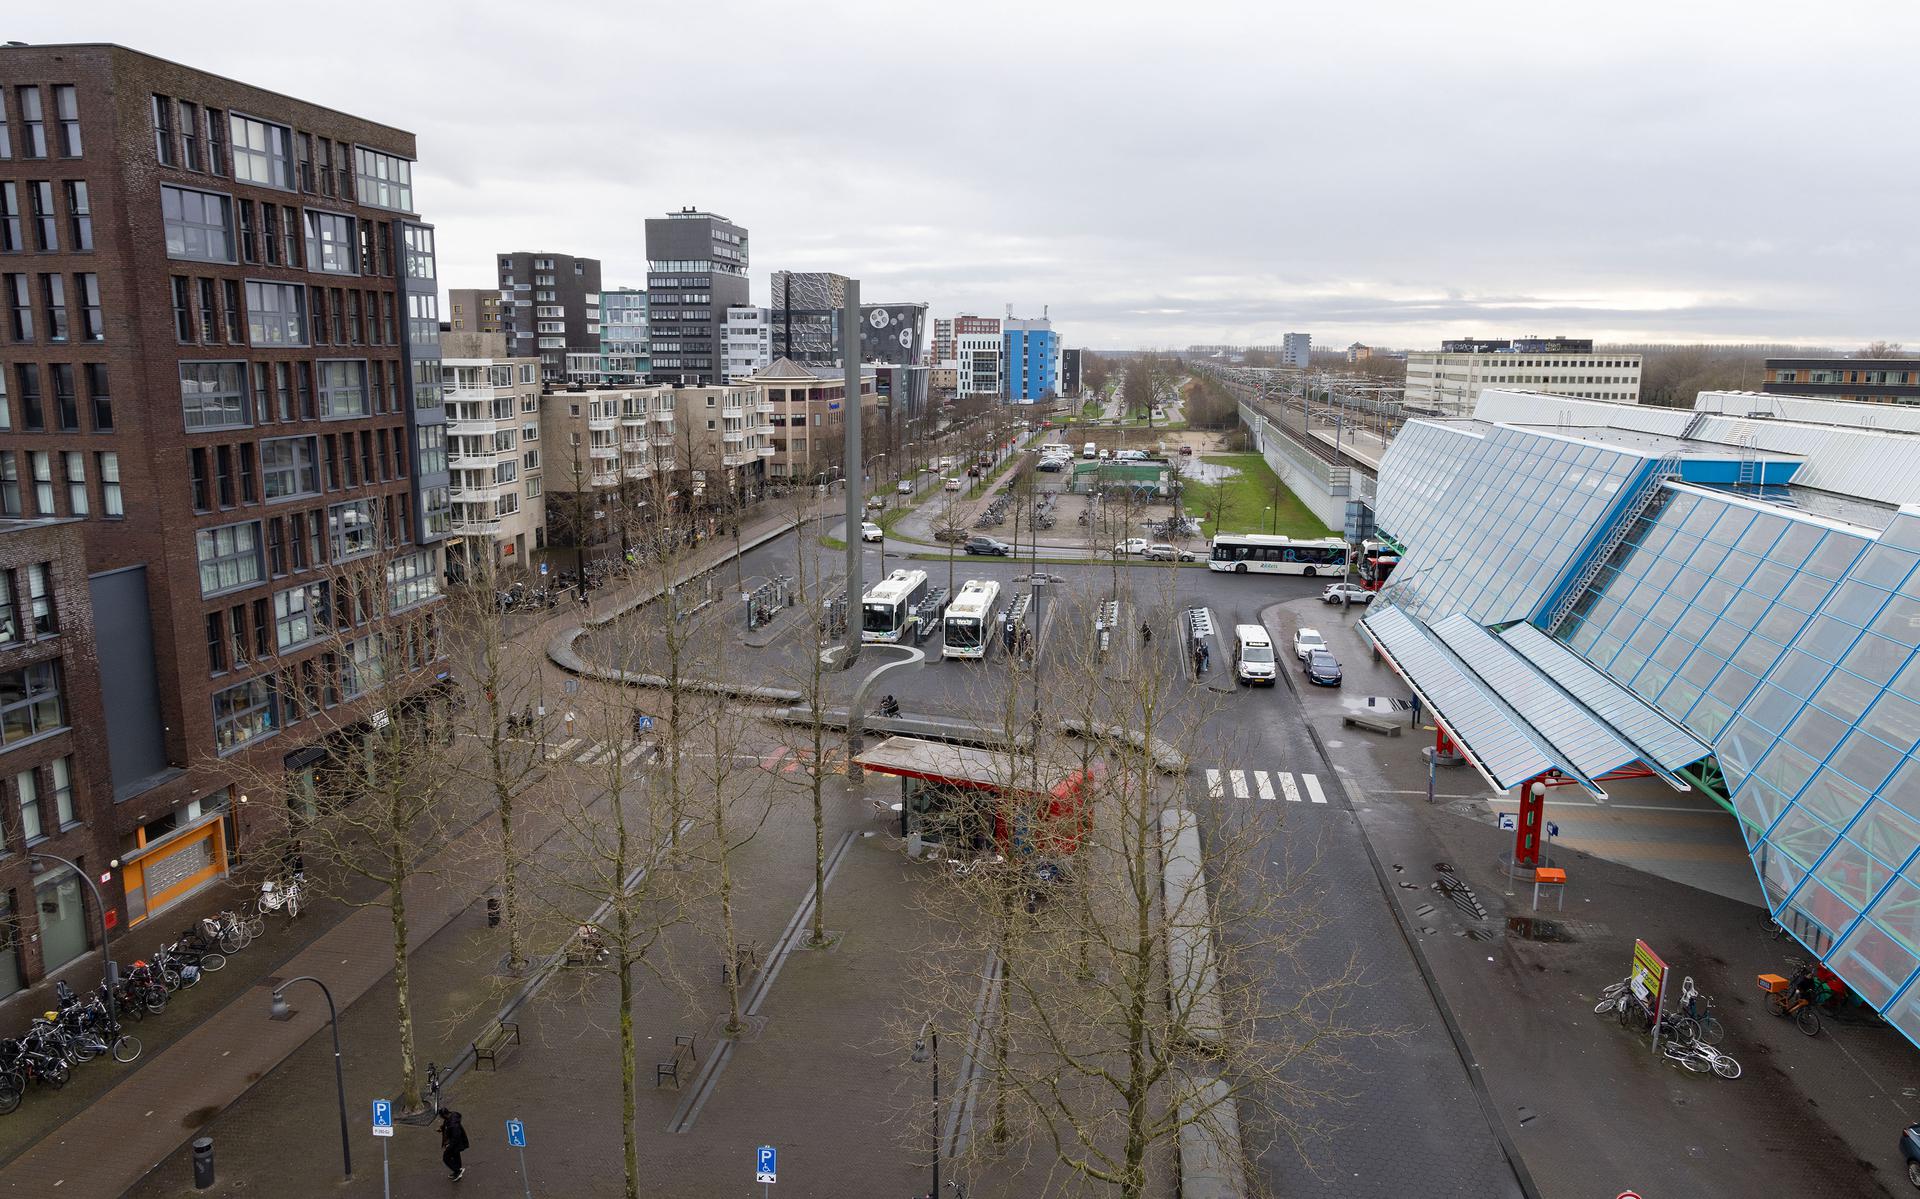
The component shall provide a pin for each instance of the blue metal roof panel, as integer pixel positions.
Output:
(1660, 741)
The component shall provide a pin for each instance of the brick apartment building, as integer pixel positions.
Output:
(1860, 380)
(219, 368)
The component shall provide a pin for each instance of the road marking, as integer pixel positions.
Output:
(1214, 789)
(1239, 780)
(1265, 785)
(1313, 788)
(628, 757)
(562, 749)
(596, 756)
(1286, 785)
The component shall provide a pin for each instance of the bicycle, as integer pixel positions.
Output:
(1792, 1002)
(1695, 1023)
(433, 1087)
(231, 932)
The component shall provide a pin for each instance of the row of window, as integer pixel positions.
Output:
(52, 311)
(29, 219)
(259, 707)
(26, 603)
(284, 468)
(62, 380)
(43, 796)
(274, 155)
(72, 484)
(31, 106)
(216, 395)
(264, 313)
(30, 703)
(300, 615)
(204, 226)
(234, 556)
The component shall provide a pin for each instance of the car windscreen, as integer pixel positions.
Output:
(1256, 653)
(1322, 660)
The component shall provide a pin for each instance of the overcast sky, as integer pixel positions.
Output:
(1158, 174)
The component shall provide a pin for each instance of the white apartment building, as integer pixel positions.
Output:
(977, 356)
(1296, 349)
(1448, 381)
(746, 341)
(493, 452)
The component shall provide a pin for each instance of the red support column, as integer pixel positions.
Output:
(1443, 744)
(1532, 822)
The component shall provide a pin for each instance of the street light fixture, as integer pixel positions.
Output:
(109, 969)
(279, 1010)
(921, 1054)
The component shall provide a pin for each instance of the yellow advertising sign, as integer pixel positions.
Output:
(1648, 976)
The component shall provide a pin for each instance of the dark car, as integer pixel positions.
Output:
(947, 534)
(1323, 669)
(1910, 1149)
(992, 546)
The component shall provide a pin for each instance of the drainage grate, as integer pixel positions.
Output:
(1461, 895)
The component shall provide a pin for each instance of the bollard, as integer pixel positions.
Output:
(202, 1163)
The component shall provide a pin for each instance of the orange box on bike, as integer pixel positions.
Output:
(1772, 984)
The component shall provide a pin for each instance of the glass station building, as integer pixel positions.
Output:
(1726, 598)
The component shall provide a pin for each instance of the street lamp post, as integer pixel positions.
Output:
(109, 969)
(921, 1054)
(280, 1011)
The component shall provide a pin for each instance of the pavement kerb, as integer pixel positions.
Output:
(1475, 1076)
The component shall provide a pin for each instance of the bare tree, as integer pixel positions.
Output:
(812, 674)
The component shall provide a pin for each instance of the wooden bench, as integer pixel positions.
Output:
(487, 1047)
(1373, 724)
(683, 1054)
(746, 959)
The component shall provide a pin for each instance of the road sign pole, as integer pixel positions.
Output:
(526, 1188)
(386, 1172)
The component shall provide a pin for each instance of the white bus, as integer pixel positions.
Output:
(884, 609)
(969, 617)
(1243, 552)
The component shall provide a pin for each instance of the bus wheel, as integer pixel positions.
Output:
(1308, 572)
(1240, 569)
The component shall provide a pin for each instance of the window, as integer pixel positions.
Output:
(30, 703)
(54, 289)
(216, 141)
(534, 488)
(299, 615)
(383, 180)
(343, 389)
(229, 557)
(79, 214)
(230, 291)
(101, 396)
(209, 314)
(411, 579)
(213, 395)
(289, 467)
(9, 485)
(92, 324)
(276, 314)
(26, 786)
(19, 306)
(42, 466)
(330, 242)
(350, 526)
(75, 464)
(12, 235)
(261, 152)
(46, 226)
(419, 252)
(61, 770)
(33, 143)
(242, 713)
(531, 460)
(433, 449)
(112, 502)
(163, 130)
(199, 224)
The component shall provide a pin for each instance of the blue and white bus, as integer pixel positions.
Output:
(885, 608)
(1244, 552)
(968, 618)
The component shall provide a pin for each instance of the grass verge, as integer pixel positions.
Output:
(1247, 496)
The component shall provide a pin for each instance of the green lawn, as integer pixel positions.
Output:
(1248, 494)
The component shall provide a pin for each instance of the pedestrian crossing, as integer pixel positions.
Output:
(1245, 784)
(594, 753)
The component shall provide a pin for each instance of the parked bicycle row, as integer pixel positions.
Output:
(1687, 1035)
(84, 1029)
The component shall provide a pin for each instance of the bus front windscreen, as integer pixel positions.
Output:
(963, 634)
(880, 618)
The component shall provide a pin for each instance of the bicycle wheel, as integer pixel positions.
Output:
(1711, 1030)
(58, 1072)
(156, 1000)
(1608, 1004)
(214, 961)
(1777, 1003)
(83, 1049)
(125, 1049)
(256, 927)
(234, 940)
(1808, 1020)
(1726, 1067)
(1692, 1061)
(1686, 1029)
(12, 1086)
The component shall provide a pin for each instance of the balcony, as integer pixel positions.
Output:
(604, 478)
(734, 436)
(602, 424)
(664, 415)
(470, 426)
(662, 437)
(482, 395)
(482, 493)
(632, 445)
(483, 526)
(636, 470)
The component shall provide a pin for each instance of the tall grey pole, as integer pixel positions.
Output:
(855, 473)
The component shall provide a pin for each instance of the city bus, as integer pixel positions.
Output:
(1243, 552)
(1377, 560)
(884, 609)
(967, 619)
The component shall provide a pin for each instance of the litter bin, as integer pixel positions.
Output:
(202, 1163)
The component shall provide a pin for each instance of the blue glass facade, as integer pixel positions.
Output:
(1778, 626)
(1030, 357)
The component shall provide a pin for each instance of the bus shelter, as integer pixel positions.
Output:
(966, 799)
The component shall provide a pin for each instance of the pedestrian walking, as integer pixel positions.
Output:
(453, 1142)
(1146, 633)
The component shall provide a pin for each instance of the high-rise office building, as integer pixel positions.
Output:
(550, 307)
(942, 350)
(1296, 349)
(696, 270)
(1031, 369)
(493, 444)
(231, 385)
(624, 356)
(977, 355)
(807, 309)
(748, 342)
(1449, 381)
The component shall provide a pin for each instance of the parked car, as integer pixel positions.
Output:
(973, 472)
(1305, 641)
(1053, 465)
(990, 546)
(1910, 1149)
(950, 535)
(1160, 551)
(904, 487)
(1352, 593)
(1132, 545)
(870, 531)
(1187, 450)
(952, 485)
(1323, 669)
(874, 501)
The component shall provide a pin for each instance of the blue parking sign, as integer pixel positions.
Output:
(383, 1117)
(516, 1134)
(766, 1164)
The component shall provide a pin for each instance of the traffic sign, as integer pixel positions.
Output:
(516, 1134)
(543, 568)
(383, 1117)
(646, 723)
(1553, 830)
(570, 686)
(1508, 822)
(766, 1164)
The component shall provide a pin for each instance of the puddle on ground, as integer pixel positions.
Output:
(198, 1116)
(1206, 472)
(1531, 928)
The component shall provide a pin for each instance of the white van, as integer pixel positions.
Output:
(1253, 655)
(1089, 450)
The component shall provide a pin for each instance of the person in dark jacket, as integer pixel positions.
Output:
(453, 1142)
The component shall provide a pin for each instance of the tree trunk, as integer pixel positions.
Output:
(402, 982)
(819, 936)
(729, 943)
